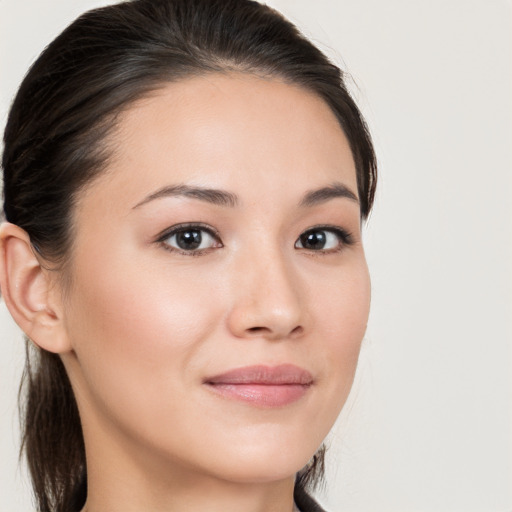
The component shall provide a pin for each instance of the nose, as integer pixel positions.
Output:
(267, 299)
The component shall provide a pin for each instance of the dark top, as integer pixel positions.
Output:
(305, 502)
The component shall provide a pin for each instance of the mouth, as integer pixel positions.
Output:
(263, 386)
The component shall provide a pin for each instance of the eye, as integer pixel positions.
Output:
(190, 238)
(323, 239)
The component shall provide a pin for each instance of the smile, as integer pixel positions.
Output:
(262, 386)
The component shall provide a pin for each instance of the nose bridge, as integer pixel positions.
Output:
(267, 295)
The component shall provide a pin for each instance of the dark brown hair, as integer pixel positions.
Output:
(55, 143)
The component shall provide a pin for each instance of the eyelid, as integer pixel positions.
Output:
(176, 228)
(345, 238)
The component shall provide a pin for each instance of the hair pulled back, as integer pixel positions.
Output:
(56, 142)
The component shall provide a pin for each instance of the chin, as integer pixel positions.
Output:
(261, 461)
(272, 469)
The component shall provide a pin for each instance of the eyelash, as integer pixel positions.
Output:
(182, 228)
(345, 238)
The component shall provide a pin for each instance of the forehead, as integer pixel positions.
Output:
(234, 131)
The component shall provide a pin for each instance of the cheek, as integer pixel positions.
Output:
(136, 329)
(138, 305)
(341, 306)
(341, 316)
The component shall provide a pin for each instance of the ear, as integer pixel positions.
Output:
(30, 291)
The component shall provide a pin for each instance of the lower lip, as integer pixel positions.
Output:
(263, 395)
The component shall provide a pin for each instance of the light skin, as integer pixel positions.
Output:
(279, 277)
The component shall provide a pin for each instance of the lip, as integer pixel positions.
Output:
(260, 385)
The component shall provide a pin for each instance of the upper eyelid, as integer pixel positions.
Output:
(163, 237)
(326, 227)
(345, 236)
(329, 227)
(166, 233)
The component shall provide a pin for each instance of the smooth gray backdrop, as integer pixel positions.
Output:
(429, 424)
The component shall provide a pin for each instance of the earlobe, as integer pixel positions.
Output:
(29, 292)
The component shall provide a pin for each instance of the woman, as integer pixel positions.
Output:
(184, 184)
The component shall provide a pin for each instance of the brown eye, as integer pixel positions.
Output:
(322, 239)
(313, 240)
(190, 239)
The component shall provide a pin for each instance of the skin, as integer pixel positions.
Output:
(143, 324)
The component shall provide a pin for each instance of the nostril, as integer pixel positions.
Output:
(298, 330)
(257, 330)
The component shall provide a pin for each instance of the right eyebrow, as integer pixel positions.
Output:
(210, 195)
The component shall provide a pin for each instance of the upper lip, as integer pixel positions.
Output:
(261, 374)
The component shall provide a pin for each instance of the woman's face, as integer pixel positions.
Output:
(219, 290)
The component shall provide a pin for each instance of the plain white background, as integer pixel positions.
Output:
(429, 424)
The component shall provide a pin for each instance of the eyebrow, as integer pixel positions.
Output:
(225, 198)
(210, 195)
(322, 195)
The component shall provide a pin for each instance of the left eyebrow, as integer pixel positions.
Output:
(322, 195)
